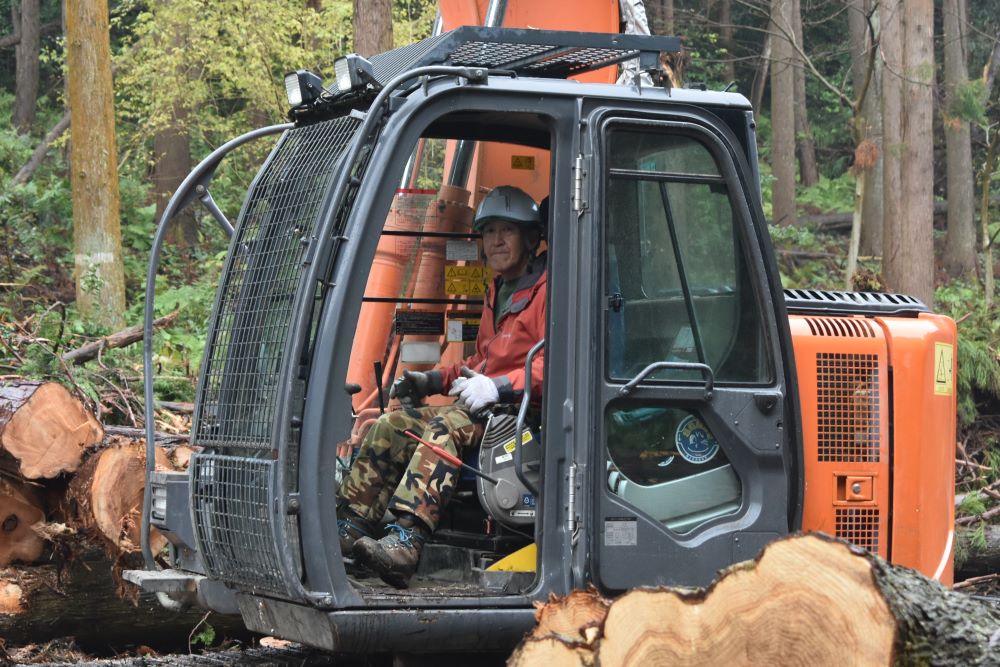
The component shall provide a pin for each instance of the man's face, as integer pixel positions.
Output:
(505, 249)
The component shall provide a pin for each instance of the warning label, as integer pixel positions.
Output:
(419, 322)
(522, 161)
(944, 367)
(461, 330)
(460, 250)
(468, 280)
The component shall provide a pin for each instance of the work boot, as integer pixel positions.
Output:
(352, 527)
(394, 558)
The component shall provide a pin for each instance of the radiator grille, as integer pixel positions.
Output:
(233, 522)
(250, 324)
(847, 407)
(859, 526)
(846, 327)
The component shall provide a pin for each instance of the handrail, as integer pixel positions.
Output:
(521, 414)
(673, 365)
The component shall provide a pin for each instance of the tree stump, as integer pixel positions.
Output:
(20, 511)
(806, 600)
(45, 428)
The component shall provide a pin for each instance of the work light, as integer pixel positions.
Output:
(352, 71)
(302, 87)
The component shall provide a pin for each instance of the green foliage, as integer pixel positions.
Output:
(978, 345)
(828, 195)
(205, 638)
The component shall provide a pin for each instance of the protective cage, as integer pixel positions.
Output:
(234, 479)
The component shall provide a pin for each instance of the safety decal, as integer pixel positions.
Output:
(694, 442)
(944, 367)
(522, 162)
(621, 531)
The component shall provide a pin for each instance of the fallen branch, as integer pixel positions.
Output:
(25, 173)
(131, 432)
(118, 339)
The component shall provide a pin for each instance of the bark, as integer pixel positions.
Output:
(45, 428)
(99, 274)
(891, 39)
(726, 35)
(25, 173)
(760, 77)
(834, 600)
(26, 92)
(41, 603)
(808, 169)
(123, 338)
(21, 510)
(975, 558)
(172, 148)
(105, 496)
(782, 115)
(960, 240)
(372, 26)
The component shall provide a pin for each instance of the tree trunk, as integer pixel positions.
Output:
(26, 94)
(41, 603)
(891, 55)
(808, 168)
(99, 274)
(20, 510)
(172, 148)
(45, 428)
(726, 35)
(782, 115)
(960, 241)
(372, 26)
(811, 597)
(760, 76)
(105, 496)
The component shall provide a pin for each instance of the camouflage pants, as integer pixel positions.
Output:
(395, 471)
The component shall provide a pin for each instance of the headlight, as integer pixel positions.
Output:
(352, 72)
(302, 87)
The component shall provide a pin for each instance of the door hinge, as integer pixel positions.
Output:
(571, 501)
(579, 174)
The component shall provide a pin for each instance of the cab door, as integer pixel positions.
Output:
(693, 466)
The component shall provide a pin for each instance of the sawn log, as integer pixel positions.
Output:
(806, 600)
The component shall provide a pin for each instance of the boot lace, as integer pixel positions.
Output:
(343, 525)
(406, 537)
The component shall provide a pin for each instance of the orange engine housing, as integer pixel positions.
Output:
(878, 418)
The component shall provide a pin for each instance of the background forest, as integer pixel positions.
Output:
(837, 86)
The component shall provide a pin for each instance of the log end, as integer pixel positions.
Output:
(10, 598)
(20, 512)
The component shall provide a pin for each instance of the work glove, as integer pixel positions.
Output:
(410, 388)
(475, 391)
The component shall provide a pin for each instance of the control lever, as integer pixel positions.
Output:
(451, 458)
(521, 414)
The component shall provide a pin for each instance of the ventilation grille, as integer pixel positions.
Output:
(859, 526)
(233, 520)
(848, 427)
(250, 323)
(844, 327)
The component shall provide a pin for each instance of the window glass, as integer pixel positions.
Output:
(677, 283)
(667, 463)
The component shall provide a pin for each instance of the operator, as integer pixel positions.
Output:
(393, 470)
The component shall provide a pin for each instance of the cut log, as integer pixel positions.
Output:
(811, 598)
(45, 428)
(105, 496)
(20, 511)
(39, 603)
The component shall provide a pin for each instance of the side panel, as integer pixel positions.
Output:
(842, 365)
(922, 352)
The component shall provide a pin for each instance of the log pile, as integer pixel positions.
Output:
(805, 600)
(70, 516)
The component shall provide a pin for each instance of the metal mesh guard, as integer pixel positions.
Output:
(250, 325)
(232, 518)
(847, 406)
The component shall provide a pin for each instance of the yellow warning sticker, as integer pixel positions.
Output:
(470, 272)
(944, 369)
(509, 445)
(464, 287)
(522, 161)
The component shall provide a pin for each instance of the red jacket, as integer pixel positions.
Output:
(502, 347)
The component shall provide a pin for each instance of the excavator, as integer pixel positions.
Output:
(693, 410)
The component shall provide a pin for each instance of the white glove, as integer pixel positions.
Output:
(476, 392)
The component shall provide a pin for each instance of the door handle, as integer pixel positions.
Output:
(704, 369)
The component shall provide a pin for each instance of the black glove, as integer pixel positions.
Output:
(410, 388)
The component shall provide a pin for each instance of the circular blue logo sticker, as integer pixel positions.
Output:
(694, 442)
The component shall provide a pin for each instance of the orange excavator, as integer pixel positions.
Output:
(693, 409)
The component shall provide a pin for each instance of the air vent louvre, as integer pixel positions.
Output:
(859, 526)
(848, 424)
(846, 327)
